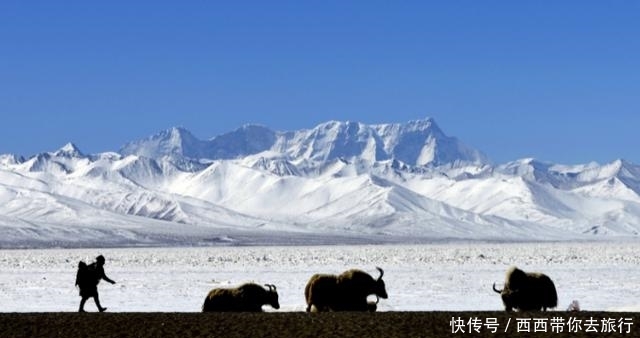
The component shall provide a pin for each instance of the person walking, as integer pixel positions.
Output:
(87, 280)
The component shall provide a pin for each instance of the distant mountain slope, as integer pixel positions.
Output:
(337, 182)
(415, 143)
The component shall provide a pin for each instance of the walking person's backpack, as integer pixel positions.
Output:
(85, 275)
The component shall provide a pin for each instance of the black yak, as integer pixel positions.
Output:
(246, 298)
(345, 292)
(527, 291)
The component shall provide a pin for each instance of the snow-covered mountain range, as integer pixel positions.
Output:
(338, 182)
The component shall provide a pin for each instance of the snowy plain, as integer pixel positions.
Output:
(601, 276)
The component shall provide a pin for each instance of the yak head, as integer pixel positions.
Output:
(272, 296)
(378, 287)
(516, 279)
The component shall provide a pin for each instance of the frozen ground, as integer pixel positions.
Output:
(601, 276)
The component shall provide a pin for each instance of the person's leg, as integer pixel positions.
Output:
(82, 301)
(97, 299)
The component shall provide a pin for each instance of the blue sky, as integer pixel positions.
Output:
(554, 80)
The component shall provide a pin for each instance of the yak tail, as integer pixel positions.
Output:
(496, 290)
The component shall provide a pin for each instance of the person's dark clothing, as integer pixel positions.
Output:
(87, 280)
(89, 285)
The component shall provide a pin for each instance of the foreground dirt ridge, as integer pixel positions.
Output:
(300, 324)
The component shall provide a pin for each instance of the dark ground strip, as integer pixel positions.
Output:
(298, 324)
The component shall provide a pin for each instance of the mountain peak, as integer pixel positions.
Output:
(10, 159)
(69, 150)
(246, 140)
(175, 141)
(422, 142)
(423, 124)
(252, 127)
(174, 133)
(416, 143)
(627, 169)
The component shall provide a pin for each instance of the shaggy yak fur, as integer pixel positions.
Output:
(347, 291)
(527, 291)
(246, 298)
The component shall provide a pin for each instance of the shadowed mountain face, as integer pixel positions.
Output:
(391, 182)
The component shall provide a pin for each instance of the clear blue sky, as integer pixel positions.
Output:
(554, 80)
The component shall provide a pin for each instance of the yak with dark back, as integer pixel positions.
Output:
(347, 291)
(249, 297)
(527, 291)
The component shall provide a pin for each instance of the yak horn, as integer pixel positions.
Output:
(377, 299)
(381, 272)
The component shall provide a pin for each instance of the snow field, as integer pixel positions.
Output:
(439, 277)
